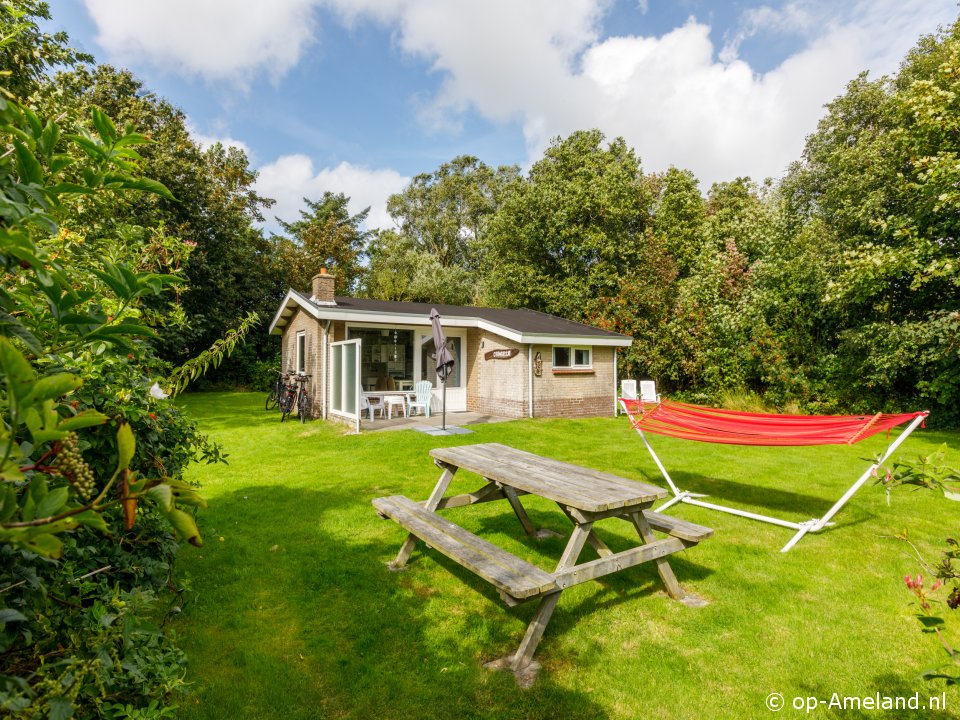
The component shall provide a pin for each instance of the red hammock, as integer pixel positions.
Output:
(693, 422)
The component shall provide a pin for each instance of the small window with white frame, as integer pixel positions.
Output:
(568, 357)
(301, 365)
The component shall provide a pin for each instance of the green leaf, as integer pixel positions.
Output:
(29, 167)
(53, 502)
(185, 493)
(163, 496)
(92, 148)
(61, 709)
(112, 277)
(104, 125)
(49, 138)
(8, 502)
(130, 278)
(87, 418)
(185, 526)
(92, 178)
(147, 185)
(131, 139)
(8, 615)
(47, 545)
(38, 489)
(12, 327)
(126, 446)
(91, 520)
(43, 423)
(60, 162)
(20, 375)
(36, 127)
(930, 622)
(53, 387)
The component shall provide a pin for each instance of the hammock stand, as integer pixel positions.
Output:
(692, 422)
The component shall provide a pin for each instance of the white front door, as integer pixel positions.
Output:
(425, 368)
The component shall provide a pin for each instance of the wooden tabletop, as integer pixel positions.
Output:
(571, 485)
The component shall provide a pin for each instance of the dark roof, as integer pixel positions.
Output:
(522, 320)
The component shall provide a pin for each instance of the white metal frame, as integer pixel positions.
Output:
(802, 528)
(573, 357)
(345, 392)
(300, 359)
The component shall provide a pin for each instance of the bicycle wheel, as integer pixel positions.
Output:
(272, 399)
(303, 408)
(286, 405)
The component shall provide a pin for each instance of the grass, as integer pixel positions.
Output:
(295, 615)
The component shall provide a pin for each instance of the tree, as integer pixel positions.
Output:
(679, 217)
(736, 211)
(399, 271)
(565, 235)
(27, 53)
(231, 271)
(446, 212)
(880, 172)
(326, 235)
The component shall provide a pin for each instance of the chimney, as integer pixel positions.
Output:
(323, 284)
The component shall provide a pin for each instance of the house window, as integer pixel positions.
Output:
(571, 358)
(301, 351)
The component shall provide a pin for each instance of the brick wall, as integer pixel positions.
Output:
(288, 353)
(574, 394)
(496, 387)
(500, 387)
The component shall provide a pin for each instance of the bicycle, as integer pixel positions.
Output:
(295, 396)
(276, 391)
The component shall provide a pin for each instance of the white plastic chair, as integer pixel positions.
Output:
(648, 391)
(370, 405)
(628, 391)
(424, 396)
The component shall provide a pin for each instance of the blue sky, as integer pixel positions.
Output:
(357, 96)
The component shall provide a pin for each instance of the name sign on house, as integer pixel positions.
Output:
(502, 354)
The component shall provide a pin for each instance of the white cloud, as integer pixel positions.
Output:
(677, 98)
(216, 39)
(205, 140)
(291, 178)
(543, 64)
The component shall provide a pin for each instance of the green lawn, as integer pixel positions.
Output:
(295, 615)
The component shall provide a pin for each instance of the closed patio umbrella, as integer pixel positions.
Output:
(445, 359)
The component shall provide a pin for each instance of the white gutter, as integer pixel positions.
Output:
(530, 379)
(375, 317)
(323, 367)
(616, 406)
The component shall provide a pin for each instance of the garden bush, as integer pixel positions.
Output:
(92, 451)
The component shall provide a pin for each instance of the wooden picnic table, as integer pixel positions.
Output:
(585, 496)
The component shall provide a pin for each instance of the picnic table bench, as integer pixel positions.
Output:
(585, 496)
